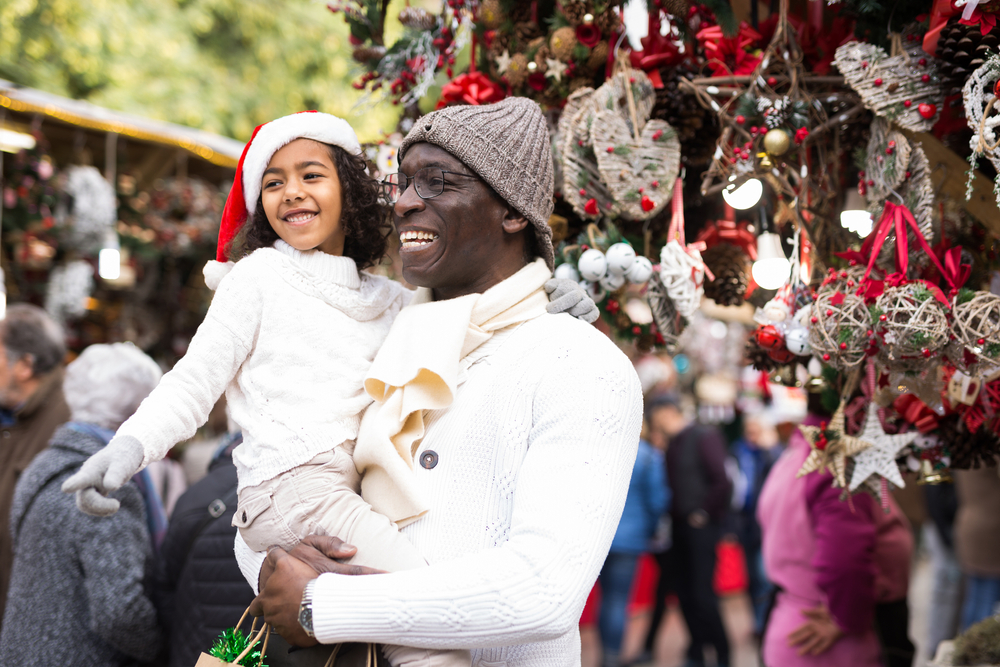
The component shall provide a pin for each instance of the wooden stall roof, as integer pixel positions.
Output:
(72, 122)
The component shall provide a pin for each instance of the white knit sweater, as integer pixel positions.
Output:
(289, 337)
(534, 461)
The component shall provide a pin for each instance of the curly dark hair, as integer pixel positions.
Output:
(364, 216)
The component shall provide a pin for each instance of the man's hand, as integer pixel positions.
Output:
(818, 634)
(284, 576)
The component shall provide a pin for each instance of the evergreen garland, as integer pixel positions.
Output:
(231, 643)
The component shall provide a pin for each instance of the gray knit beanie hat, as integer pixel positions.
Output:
(507, 145)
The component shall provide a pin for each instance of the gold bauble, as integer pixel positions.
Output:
(588, 19)
(777, 142)
(562, 43)
(517, 71)
(490, 14)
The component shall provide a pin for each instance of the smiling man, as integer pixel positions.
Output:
(516, 430)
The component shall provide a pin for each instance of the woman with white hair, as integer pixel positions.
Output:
(84, 603)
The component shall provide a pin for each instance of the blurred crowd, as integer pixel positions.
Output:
(712, 510)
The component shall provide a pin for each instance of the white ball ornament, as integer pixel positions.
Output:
(566, 272)
(641, 271)
(592, 265)
(593, 290)
(620, 258)
(611, 282)
(797, 341)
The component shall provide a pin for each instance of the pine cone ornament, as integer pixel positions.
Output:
(517, 72)
(961, 49)
(525, 32)
(758, 357)
(501, 42)
(490, 14)
(696, 129)
(731, 268)
(598, 56)
(575, 11)
(562, 43)
(608, 22)
(967, 450)
(541, 56)
(521, 12)
(368, 53)
(677, 8)
(417, 17)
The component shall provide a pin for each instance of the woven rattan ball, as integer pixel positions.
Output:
(838, 332)
(562, 42)
(912, 326)
(846, 280)
(976, 327)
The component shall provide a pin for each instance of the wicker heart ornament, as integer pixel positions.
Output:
(638, 172)
(894, 87)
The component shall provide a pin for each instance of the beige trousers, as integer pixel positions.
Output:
(323, 497)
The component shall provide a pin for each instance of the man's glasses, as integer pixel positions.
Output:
(428, 182)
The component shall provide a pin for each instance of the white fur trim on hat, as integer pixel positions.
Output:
(278, 133)
(214, 272)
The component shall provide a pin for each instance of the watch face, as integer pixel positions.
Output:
(306, 619)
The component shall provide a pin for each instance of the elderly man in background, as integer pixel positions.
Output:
(521, 463)
(32, 348)
(85, 602)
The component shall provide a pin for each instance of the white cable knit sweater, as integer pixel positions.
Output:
(289, 337)
(534, 461)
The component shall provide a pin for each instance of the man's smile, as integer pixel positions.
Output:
(413, 239)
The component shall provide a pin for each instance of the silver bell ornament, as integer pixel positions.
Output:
(797, 341)
(611, 282)
(621, 257)
(641, 271)
(592, 265)
(566, 272)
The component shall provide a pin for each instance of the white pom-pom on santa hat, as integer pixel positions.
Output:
(215, 271)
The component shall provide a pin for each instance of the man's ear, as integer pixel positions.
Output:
(514, 221)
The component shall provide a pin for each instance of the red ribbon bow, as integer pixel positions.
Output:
(729, 55)
(473, 88)
(916, 412)
(657, 51)
(896, 218)
(727, 231)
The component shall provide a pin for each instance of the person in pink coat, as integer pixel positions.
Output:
(833, 561)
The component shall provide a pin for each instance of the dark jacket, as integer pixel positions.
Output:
(20, 442)
(696, 469)
(77, 593)
(199, 590)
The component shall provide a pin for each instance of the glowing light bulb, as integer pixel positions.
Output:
(109, 263)
(772, 268)
(744, 196)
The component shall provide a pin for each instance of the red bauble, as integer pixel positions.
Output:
(781, 355)
(927, 110)
(591, 207)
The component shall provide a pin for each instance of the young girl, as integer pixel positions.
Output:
(289, 337)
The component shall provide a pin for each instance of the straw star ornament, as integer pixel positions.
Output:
(880, 458)
(831, 453)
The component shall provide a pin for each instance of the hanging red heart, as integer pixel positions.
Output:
(647, 204)
(927, 110)
(996, 88)
(591, 207)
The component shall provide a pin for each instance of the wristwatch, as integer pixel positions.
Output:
(306, 609)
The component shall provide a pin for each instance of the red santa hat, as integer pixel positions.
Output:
(265, 141)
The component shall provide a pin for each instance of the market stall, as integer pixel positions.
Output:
(817, 180)
(108, 218)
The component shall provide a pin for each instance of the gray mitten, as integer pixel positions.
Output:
(103, 473)
(566, 296)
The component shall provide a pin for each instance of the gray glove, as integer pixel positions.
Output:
(566, 296)
(103, 473)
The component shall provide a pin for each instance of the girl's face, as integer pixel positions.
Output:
(301, 195)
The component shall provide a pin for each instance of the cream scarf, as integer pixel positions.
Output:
(417, 370)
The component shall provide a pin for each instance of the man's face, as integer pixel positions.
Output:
(668, 420)
(11, 380)
(472, 234)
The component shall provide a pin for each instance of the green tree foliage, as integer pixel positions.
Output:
(221, 65)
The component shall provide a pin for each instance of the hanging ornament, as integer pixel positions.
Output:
(777, 142)
(682, 269)
(982, 112)
(880, 458)
(976, 327)
(592, 265)
(831, 446)
(893, 87)
(914, 328)
(838, 331)
(94, 209)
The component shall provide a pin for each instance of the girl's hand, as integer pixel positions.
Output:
(818, 634)
(103, 473)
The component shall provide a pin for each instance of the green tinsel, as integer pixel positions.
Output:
(231, 643)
